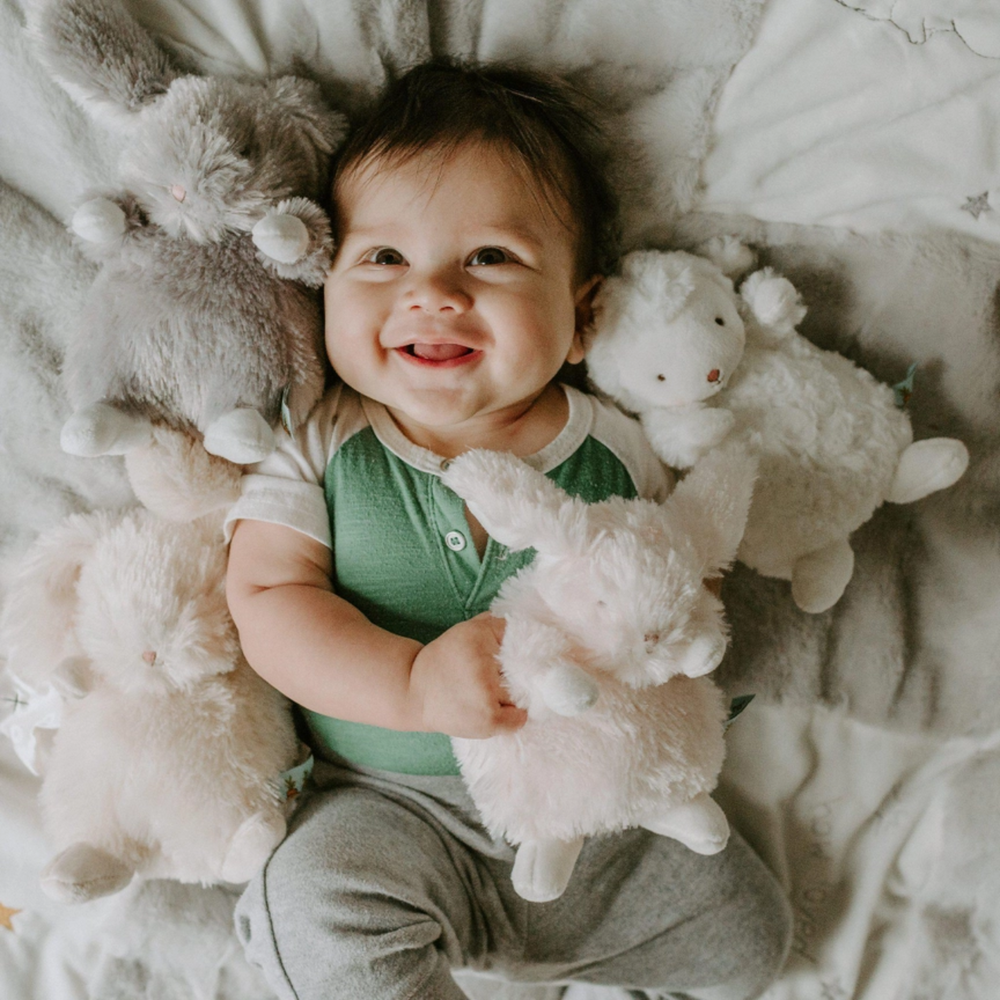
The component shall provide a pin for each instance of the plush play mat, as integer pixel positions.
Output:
(856, 145)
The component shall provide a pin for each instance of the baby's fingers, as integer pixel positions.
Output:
(508, 718)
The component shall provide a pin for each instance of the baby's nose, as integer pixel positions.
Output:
(437, 292)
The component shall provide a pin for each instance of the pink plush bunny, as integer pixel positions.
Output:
(609, 633)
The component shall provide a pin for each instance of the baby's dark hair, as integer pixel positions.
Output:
(547, 126)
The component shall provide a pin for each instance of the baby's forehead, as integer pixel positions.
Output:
(500, 188)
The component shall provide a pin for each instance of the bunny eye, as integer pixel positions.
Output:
(720, 321)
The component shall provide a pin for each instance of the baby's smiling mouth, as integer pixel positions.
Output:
(437, 353)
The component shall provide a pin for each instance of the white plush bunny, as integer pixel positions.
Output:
(671, 345)
(609, 631)
(168, 757)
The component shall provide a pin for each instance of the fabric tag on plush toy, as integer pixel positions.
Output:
(34, 717)
(904, 390)
(286, 411)
(293, 781)
(736, 707)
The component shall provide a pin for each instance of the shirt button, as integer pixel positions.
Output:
(455, 541)
(445, 462)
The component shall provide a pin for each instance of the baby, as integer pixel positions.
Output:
(473, 226)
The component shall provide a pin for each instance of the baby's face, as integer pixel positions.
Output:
(454, 296)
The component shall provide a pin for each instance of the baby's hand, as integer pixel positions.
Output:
(455, 682)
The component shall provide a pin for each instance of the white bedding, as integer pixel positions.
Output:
(868, 114)
(857, 144)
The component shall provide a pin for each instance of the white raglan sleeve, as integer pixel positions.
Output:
(287, 487)
(625, 437)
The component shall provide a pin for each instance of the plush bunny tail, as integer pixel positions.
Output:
(99, 52)
(178, 480)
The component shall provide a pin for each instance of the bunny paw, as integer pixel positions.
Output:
(99, 220)
(284, 238)
(243, 436)
(255, 838)
(101, 429)
(83, 872)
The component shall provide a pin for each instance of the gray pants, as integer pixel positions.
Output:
(386, 882)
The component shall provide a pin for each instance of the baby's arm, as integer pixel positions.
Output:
(321, 652)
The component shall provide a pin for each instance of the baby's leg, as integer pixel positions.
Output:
(643, 912)
(370, 899)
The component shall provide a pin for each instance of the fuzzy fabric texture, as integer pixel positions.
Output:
(615, 590)
(167, 758)
(831, 442)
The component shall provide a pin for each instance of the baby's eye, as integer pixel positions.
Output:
(490, 255)
(385, 256)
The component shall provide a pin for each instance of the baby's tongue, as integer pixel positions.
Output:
(439, 352)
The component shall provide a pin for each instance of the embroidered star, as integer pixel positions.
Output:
(976, 205)
(6, 913)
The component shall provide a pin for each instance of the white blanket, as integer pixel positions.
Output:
(870, 114)
(866, 772)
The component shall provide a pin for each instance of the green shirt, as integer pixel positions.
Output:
(402, 551)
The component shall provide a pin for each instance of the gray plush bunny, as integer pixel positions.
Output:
(204, 312)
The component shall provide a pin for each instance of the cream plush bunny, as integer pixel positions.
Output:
(167, 760)
(609, 633)
(674, 343)
(204, 312)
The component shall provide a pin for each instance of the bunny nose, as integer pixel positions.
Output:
(149, 656)
(714, 375)
(651, 638)
(178, 192)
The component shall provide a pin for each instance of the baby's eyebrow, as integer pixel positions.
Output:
(519, 233)
(361, 233)
(480, 233)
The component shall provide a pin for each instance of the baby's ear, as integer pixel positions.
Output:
(584, 306)
(100, 54)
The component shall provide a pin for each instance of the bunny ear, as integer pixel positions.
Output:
(519, 506)
(773, 303)
(712, 504)
(36, 627)
(729, 254)
(302, 105)
(100, 54)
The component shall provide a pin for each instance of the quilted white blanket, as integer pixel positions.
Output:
(856, 143)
